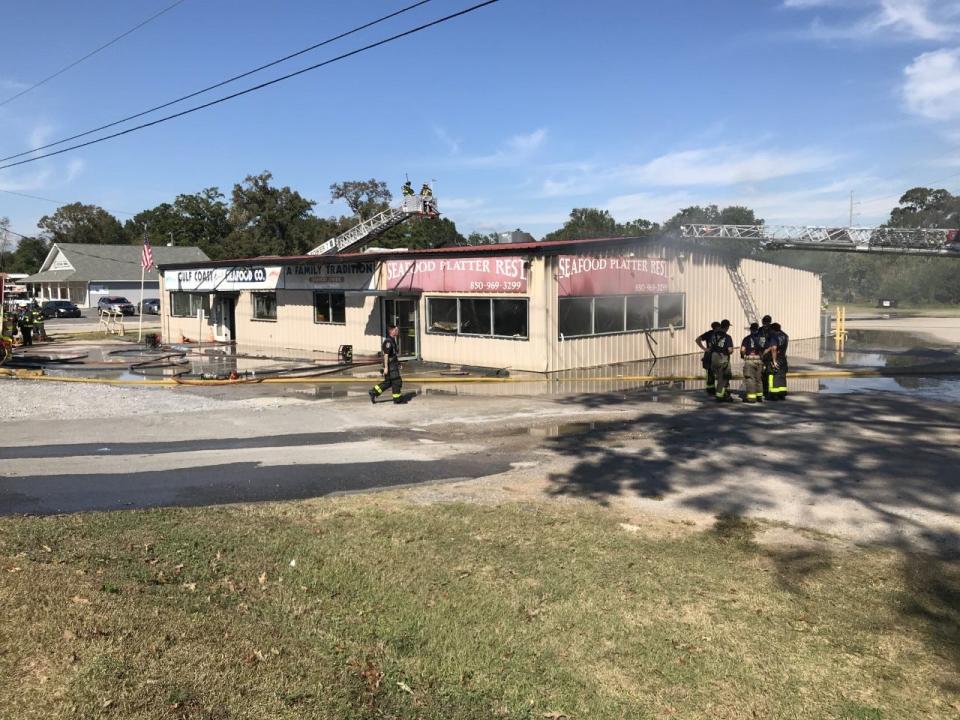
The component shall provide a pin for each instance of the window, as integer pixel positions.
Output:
(510, 318)
(670, 310)
(183, 304)
(484, 317)
(576, 316)
(264, 305)
(475, 316)
(608, 315)
(619, 313)
(641, 312)
(442, 315)
(329, 308)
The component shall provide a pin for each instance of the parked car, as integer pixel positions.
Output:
(59, 309)
(115, 303)
(149, 306)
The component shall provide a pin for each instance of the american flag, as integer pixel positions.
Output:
(146, 257)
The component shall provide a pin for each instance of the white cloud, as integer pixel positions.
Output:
(527, 143)
(517, 150)
(455, 203)
(886, 20)
(12, 85)
(39, 135)
(724, 165)
(452, 143)
(932, 85)
(74, 168)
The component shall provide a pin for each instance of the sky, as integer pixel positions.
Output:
(517, 112)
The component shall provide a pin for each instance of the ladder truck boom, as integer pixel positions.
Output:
(366, 230)
(902, 241)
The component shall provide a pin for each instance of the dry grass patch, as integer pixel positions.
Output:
(367, 607)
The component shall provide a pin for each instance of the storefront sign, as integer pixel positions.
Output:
(224, 279)
(579, 275)
(330, 276)
(486, 275)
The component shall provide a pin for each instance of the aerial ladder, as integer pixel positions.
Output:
(901, 241)
(366, 230)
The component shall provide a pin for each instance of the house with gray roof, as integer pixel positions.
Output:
(85, 273)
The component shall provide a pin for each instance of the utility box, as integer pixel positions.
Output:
(886, 303)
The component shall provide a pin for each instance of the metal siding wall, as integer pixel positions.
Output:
(527, 354)
(791, 296)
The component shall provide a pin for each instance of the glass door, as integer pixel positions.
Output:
(402, 312)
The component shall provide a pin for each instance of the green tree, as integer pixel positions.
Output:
(476, 238)
(79, 223)
(28, 256)
(588, 223)
(267, 220)
(421, 232)
(365, 198)
(924, 207)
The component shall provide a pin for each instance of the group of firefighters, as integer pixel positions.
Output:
(29, 321)
(765, 365)
(425, 191)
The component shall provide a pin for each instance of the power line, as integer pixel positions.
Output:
(899, 195)
(188, 111)
(90, 54)
(58, 202)
(222, 83)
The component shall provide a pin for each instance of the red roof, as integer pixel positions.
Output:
(549, 247)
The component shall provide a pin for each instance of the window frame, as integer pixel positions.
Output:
(626, 331)
(253, 305)
(492, 334)
(329, 294)
(204, 303)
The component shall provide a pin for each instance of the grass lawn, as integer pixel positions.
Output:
(370, 607)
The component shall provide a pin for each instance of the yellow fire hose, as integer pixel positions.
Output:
(429, 380)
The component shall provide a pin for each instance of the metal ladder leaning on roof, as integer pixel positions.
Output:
(366, 230)
(743, 291)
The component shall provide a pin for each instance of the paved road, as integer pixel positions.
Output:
(245, 460)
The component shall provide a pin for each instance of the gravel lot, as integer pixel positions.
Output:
(74, 401)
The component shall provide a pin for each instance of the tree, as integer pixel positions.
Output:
(365, 198)
(267, 220)
(5, 240)
(476, 238)
(28, 257)
(422, 232)
(204, 221)
(923, 207)
(79, 223)
(586, 223)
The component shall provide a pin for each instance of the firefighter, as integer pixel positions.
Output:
(426, 192)
(407, 189)
(703, 342)
(6, 339)
(779, 386)
(391, 368)
(766, 371)
(721, 348)
(38, 320)
(25, 322)
(751, 350)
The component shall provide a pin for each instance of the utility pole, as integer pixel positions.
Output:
(850, 224)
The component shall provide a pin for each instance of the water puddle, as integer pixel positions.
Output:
(945, 389)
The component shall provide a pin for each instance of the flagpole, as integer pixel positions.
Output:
(143, 272)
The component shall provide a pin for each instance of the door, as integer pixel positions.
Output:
(402, 312)
(225, 318)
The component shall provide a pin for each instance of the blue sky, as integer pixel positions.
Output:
(519, 112)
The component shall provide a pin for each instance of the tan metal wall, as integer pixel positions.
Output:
(294, 329)
(529, 354)
(791, 296)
